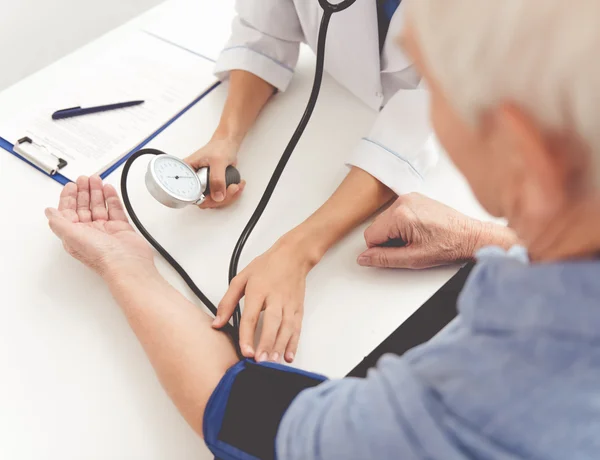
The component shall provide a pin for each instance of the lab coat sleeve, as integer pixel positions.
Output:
(265, 40)
(401, 146)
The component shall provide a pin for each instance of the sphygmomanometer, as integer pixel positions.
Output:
(244, 412)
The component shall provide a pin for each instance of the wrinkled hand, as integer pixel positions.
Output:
(434, 233)
(93, 227)
(217, 155)
(274, 282)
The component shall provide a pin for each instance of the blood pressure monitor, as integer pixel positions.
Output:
(175, 184)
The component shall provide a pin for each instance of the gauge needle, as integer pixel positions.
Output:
(180, 177)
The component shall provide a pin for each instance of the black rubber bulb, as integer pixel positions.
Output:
(232, 176)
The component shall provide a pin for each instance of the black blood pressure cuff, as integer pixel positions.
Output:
(244, 412)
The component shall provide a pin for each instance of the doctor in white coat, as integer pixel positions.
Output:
(362, 55)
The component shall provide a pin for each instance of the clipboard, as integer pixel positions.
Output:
(34, 155)
(131, 65)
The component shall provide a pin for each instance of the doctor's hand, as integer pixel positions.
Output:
(274, 283)
(217, 155)
(93, 227)
(434, 233)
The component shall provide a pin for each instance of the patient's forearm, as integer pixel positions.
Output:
(355, 200)
(188, 355)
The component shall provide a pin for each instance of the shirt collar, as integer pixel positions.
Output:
(506, 293)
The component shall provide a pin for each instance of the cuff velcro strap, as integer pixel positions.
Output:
(244, 412)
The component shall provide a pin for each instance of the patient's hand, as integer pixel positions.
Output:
(94, 229)
(434, 233)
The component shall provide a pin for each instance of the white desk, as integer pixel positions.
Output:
(75, 384)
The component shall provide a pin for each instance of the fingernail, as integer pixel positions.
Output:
(216, 321)
(249, 350)
(219, 196)
(263, 357)
(290, 356)
(275, 357)
(364, 260)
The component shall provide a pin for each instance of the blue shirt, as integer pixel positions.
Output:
(515, 376)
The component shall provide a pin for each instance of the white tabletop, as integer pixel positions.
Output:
(75, 383)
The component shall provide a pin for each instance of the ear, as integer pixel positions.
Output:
(539, 172)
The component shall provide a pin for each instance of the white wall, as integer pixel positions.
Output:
(35, 33)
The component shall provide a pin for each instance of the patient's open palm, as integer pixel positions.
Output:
(93, 226)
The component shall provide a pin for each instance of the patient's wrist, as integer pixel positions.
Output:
(491, 234)
(121, 272)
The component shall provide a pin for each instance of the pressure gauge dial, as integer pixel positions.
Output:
(175, 184)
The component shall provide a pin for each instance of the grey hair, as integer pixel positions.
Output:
(541, 55)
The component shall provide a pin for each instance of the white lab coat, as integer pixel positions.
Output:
(265, 40)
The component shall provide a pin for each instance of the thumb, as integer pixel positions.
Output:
(410, 256)
(217, 180)
(58, 224)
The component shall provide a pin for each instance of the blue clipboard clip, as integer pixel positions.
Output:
(39, 155)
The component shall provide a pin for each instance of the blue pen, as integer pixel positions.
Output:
(76, 111)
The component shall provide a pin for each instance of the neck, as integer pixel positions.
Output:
(573, 233)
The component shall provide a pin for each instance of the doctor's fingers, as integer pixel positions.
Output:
(272, 323)
(229, 301)
(292, 346)
(199, 159)
(217, 179)
(233, 193)
(253, 305)
(289, 326)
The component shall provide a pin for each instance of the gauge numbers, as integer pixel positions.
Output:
(177, 178)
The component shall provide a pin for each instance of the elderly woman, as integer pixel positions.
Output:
(516, 374)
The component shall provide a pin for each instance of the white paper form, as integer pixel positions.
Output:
(165, 76)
